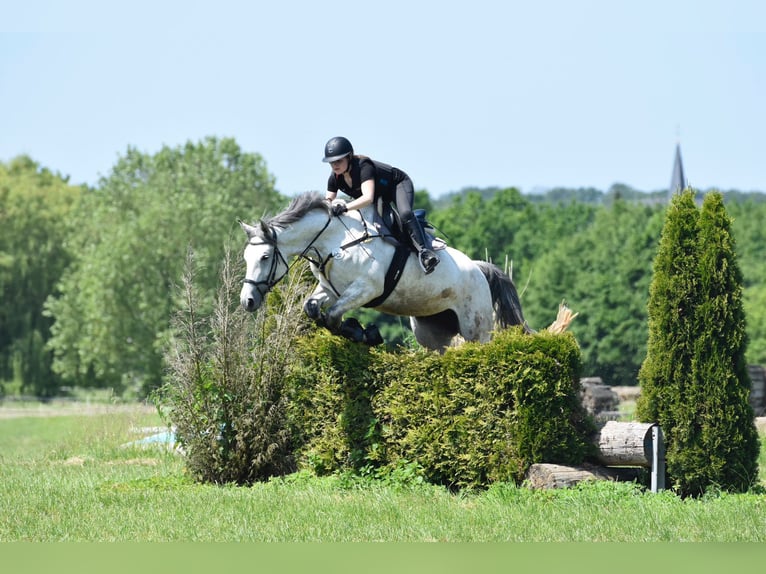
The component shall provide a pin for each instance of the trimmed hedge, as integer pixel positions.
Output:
(330, 390)
(480, 413)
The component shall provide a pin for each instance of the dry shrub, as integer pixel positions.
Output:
(224, 390)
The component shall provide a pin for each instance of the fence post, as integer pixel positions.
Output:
(658, 459)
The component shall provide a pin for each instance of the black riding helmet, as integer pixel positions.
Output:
(337, 148)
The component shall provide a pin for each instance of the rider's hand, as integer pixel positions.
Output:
(339, 208)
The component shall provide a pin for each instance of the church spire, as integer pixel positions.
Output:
(677, 179)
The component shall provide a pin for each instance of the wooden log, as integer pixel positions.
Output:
(625, 448)
(625, 444)
(544, 475)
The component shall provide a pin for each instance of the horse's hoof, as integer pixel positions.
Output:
(312, 310)
(352, 330)
(372, 335)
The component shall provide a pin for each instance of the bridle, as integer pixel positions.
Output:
(315, 258)
(271, 279)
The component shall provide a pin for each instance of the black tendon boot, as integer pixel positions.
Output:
(428, 259)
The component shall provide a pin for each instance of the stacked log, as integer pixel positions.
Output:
(599, 399)
(624, 449)
(624, 444)
(545, 475)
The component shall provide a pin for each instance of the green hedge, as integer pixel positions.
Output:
(480, 413)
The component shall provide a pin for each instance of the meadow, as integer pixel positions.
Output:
(76, 477)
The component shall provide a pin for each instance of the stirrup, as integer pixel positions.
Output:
(428, 261)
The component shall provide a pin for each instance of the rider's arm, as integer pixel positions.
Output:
(368, 196)
(332, 188)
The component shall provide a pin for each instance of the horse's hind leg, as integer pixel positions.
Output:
(477, 328)
(436, 331)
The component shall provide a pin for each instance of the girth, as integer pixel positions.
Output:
(394, 273)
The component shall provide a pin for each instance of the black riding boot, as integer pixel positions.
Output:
(428, 259)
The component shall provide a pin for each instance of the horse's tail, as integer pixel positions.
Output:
(505, 299)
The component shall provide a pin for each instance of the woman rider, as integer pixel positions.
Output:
(365, 180)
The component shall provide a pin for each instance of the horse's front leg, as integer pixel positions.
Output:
(327, 310)
(323, 308)
(355, 296)
(319, 299)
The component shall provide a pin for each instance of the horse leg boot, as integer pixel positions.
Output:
(428, 259)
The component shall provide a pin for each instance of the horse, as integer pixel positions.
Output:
(350, 255)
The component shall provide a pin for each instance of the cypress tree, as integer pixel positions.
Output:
(672, 297)
(694, 379)
(723, 449)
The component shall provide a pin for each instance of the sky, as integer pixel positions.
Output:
(533, 94)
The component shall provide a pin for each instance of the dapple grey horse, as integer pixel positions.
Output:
(350, 258)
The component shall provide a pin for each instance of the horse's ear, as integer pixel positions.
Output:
(266, 231)
(248, 229)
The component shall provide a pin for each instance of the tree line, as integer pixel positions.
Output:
(90, 276)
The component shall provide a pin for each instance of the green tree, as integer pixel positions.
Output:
(118, 297)
(672, 298)
(603, 272)
(501, 227)
(720, 447)
(694, 379)
(35, 215)
(748, 216)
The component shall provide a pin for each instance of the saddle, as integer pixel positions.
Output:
(387, 223)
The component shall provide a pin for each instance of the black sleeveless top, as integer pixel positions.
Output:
(363, 168)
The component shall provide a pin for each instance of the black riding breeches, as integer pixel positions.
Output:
(405, 198)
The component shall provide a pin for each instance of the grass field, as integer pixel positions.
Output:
(69, 478)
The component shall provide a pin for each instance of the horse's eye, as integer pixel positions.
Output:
(264, 257)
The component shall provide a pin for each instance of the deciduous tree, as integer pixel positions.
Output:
(117, 298)
(35, 215)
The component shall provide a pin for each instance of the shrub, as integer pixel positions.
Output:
(331, 391)
(225, 389)
(478, 414)
(257, 397)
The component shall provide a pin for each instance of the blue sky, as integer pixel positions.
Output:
(482, 93)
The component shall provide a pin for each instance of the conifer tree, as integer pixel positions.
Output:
(724, 449)
(694, 379)
(672, 295)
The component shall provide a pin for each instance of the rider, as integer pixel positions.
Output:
(365, 180)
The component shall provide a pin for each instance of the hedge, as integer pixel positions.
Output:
(477, 414)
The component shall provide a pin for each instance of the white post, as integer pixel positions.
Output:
(658, 459)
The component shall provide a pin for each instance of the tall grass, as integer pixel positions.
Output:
(70, 478)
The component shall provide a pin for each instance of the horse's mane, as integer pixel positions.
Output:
(299, 207)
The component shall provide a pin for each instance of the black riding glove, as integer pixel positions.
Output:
(339, 209)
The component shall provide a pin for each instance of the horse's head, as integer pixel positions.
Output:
(265, 264)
